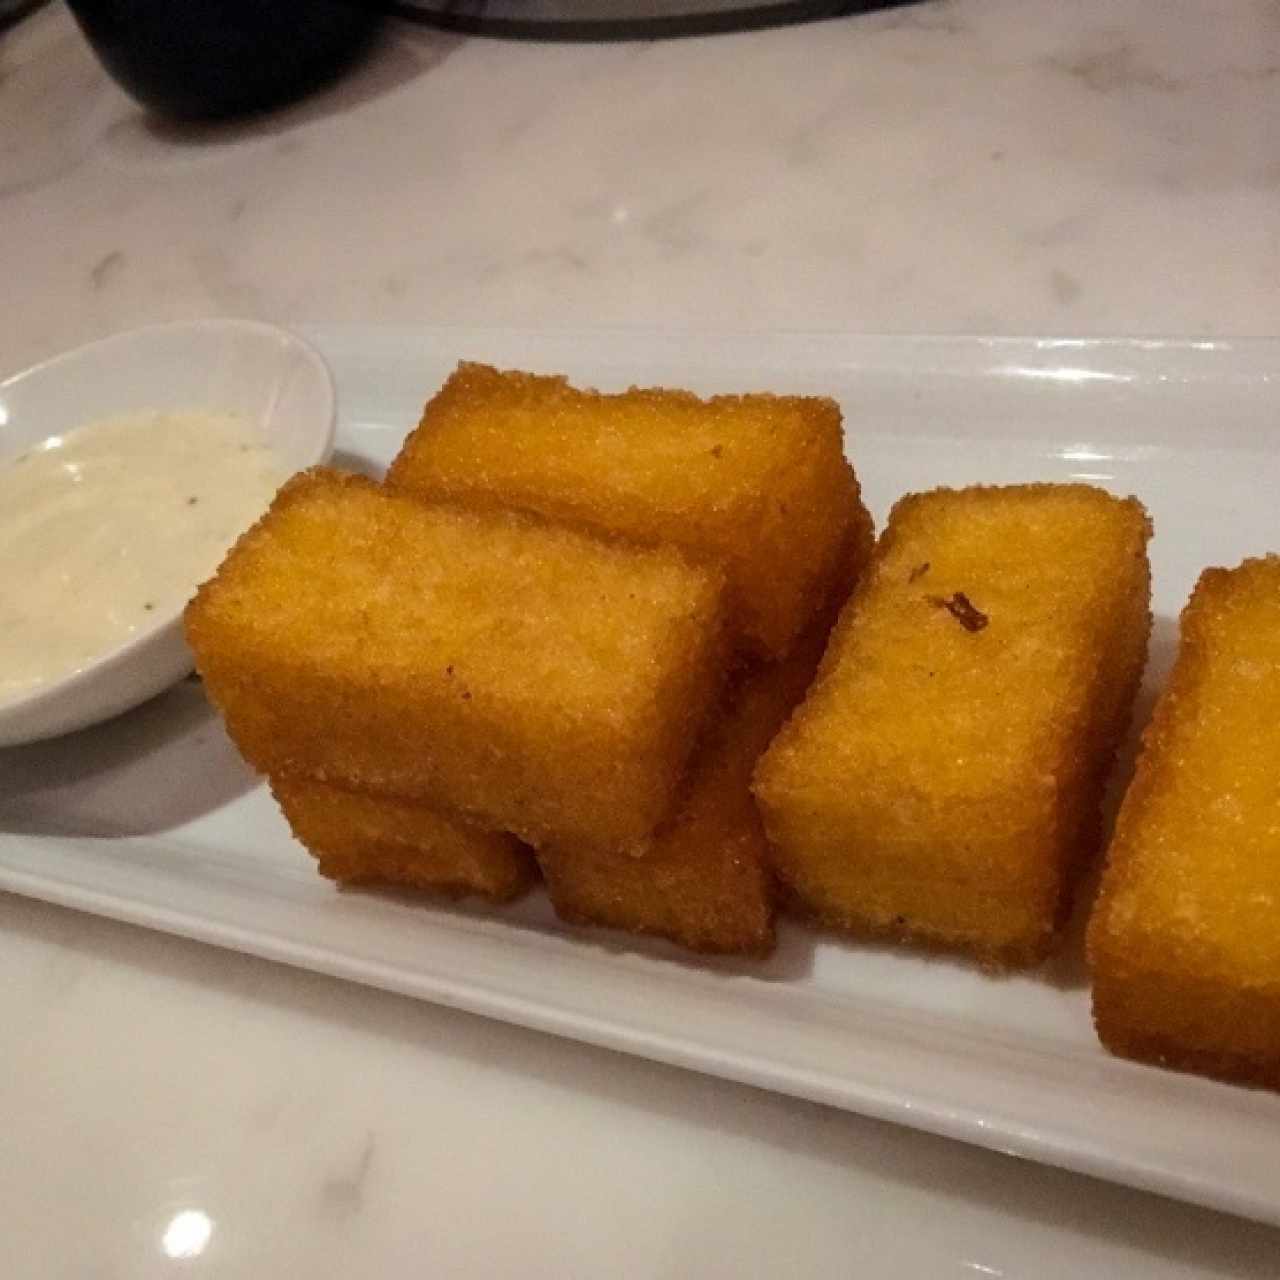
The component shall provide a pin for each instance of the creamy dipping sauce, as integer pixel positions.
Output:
(107, 529)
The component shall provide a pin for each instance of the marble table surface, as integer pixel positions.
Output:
(1092, 167)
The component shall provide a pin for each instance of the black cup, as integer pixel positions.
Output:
(208, 59)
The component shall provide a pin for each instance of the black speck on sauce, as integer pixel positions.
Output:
(191, 502)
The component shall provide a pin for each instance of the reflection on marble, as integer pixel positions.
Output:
(187, 1234)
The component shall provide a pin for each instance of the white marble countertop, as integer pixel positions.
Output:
(1101, 166)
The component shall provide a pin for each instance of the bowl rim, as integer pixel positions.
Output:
(153, 632)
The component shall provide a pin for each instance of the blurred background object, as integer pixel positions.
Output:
(208, 59)
(624, 19)
(12, 10)
(212, 59)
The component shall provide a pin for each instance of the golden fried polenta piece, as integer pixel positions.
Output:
(359, 839)
(756, 482)
(1183, 944)
(703, 879)
(530, 678)
(942, 779)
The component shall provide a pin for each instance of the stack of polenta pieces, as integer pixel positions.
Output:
(568, 623)
(590, 637)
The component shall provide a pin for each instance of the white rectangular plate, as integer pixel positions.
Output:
(153, 819)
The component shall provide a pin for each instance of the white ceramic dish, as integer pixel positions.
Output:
(153, 819)
(269, 376)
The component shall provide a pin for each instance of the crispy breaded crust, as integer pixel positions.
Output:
(532, 678)
(703, 880)
(941, 782)
(361, 839)
(1183, 943)
(756, 482)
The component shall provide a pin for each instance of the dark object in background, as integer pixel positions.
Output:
(205, 59)
(12, 10)
(623, 19)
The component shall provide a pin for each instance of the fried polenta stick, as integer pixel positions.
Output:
(361, 839)
(529, 678)
(703, 880)
(942, 780)
(1183, 944)
(758, 483)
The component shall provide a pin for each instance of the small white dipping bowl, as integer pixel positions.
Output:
(268, 376)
